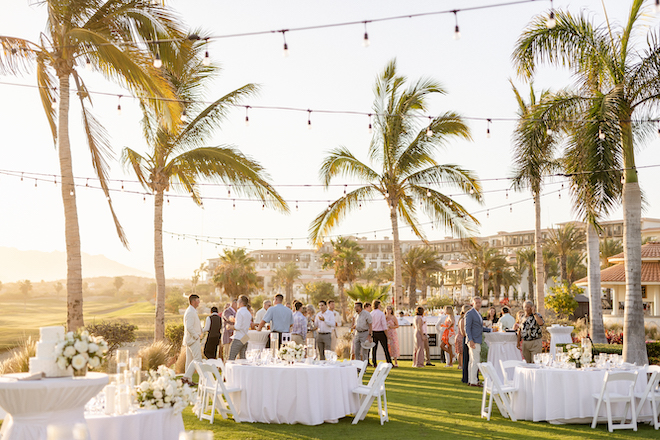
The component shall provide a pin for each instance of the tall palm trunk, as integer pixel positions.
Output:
(563, 267)
(530, 283)
(475, 281)
(396, 249)
(597, 329)
(343, 300)
(484, 293)
(289, 292)
(74, 314)
(159, 266)
(412, 292)
(538, 257)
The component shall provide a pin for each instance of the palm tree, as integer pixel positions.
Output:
(609, 247)
(179, 158)
(418, 263)
(576, 269)
(629, 78)
(550, 264)
(431, 267)
(562, 241)
(103, 35)
(286, 276)
(409, 172)
(371, 275)
(347, 262)
(487, 260)
(235, 273)
(534, 149)
(368, 293)
(526, 261)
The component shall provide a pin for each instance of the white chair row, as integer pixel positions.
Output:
(212, 392)
(375, 389)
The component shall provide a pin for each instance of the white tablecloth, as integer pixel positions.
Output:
(257, 339)
(299, 393)
(502, 346)
(563, 396)
(559, 335)
(33, 405)
(159, 424)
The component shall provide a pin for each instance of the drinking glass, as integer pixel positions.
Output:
(537, 359)
(135, 364)
(122, 363)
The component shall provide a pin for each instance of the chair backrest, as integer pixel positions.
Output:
(490, 376)
(619, 376)
(361, 366)
(505, 366)
(210, 373)
(653, 384)
(379, 370)
(216, 362)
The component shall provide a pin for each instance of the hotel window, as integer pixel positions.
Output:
(643, 291)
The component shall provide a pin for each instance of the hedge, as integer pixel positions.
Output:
(652, 350)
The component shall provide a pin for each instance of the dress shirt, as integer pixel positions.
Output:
(259, 316)
(299, 324)
(362, 321)
(327, 325)
(507, 321)
(280, 317)
(338, 320)
(242, 324)
(207, 324)
(192, 326)
(379, 321)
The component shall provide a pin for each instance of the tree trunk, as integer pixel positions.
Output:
(530, 284)
(412, 295)
(475, 278)
(74, 311)
(484, 293)
(289, 293)
(343, 301)
(563, 262)
(159, 266)
(597, 329)
(538, 257)
(396, 249)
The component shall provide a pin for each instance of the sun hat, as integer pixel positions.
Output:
(368, 344)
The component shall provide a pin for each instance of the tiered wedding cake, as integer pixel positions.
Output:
(46, 360)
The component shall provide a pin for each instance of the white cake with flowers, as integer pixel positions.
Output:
(46, 356)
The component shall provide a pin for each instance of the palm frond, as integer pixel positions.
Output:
(341, 162)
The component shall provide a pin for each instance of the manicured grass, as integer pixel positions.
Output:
(429, 403)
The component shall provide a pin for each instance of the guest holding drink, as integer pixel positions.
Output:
(418, 348)
(325, 322)
(299, 330)
(392, 336)
(241, 328)
(531, 332)
(228, 319)
(491, 317)
(448, 335)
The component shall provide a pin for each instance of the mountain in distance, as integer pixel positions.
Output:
(35, 266)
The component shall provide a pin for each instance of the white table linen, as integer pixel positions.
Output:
(257, 339)
(562, 395)
(33, 405)
(502, 346)
(299, 393)
(559, 335)
(160, 424)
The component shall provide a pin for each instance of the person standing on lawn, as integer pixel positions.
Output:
(474, 329)
(192, 334)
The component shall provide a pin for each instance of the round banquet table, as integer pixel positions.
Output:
(157, 424)
(559, 335)
(33, 405)
(502, 346)
(564, 396)
(257, 339)
(298, 393)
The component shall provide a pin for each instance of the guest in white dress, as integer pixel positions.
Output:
(192, 334)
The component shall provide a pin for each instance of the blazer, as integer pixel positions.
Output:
(474, 326)
(192, 326)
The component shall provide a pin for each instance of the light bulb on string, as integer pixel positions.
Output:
(21, 177)
(510, 208)
(119, 105)
(228, 191)
(55, 180)
(88, 64)
(488, 128)
(296, 205)
(457, 32)
(345, 187)
(207, 59)
(87, 183)
(551, 22)
(184, 116)
(71, 192)
(365, 40)
(370, 129)
(487, 213)
(471, 191)
(158, 63)
(144, 199)
(234, 204)
(247, 117)
(54, 99)
(309, 119)
(263, 206)
(428, 193)
(35, 183)
(286, 46)
(601, 135)
(429, 131)
(506, 194)
(122, 186)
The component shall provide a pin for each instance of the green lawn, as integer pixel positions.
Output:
(423, 404)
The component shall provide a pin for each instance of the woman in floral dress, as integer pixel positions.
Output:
(392, 336)
(448, 335)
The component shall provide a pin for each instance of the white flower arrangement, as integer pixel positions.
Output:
(291, 352)
(163, 389)
(80, 350)
(578, 355)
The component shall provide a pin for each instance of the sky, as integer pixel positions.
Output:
(327, 69)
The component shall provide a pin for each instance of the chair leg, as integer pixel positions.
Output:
(364, 408)
(483, 402)
(609, 416)
(490, 406)
(625, 413)
(634, 413)
(387, 415)
(380, 410)
(594, 422)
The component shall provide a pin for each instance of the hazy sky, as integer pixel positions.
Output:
(327, 69)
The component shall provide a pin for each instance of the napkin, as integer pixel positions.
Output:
(34, 376)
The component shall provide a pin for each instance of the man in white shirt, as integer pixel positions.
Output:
(241, 327)
(325, 322)
(213, 326)
(506, 321)
(379, 326)
(338, 323)
(192, 333)
(259, 316)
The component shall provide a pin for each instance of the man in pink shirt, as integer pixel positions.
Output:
(379, 326)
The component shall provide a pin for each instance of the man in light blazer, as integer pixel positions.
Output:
(474, 327)
(192, 334)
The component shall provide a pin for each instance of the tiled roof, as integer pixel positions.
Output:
(650, 251)
(617, 274)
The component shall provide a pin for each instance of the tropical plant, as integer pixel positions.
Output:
(25, 286)
(550, 264)
(105, 36)
(487, 260)
(561, 299)
(371, 275)
(629, 90)
(563, 240)
(439, 302)
(235, 273)
(609, 247)
(347, 262)
(368, 292)
(409, 173)
(180, 158)
(319, 290)
(118, 283)
(418, 263)
(526, 263)
(286, 276)
(114, 333)
(575, 267)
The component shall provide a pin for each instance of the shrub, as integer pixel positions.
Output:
(174, 334)
(19, 360)
(115, 333)
(562, 299)
(614, 337)
(174, 300)
(653, 349)
(438, 302)
(155, 355)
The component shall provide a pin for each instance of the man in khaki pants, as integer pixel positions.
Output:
(531, 332)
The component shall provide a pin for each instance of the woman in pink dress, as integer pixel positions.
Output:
(418, 348)
(392, 336)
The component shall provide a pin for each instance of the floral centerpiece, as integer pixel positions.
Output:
(578, 354)
(163, 389)
(80, 351)
(291, 352)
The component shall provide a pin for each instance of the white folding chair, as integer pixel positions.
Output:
(651, 394)
(610, 397)
(361, 366)
(509, 367)
(375, 389)
(500, 393)
(217, 393)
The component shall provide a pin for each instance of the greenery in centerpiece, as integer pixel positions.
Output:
(578, 354)
(291, 352)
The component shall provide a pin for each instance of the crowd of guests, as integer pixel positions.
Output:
(459, 334)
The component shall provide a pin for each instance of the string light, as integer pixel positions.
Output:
(601, 135)
(428, 193)
(552, 22)
(510, 208)
(234, 205)
(488, 128)
(119, 105)
(286, 46)
(429, 131)
(158, 63)
(207, 59)
(309, 119)
(88, 64)
(370, 130)
(487, 213)
(247, 117)
(457, 32)
(657, 5)
(365, 40)
(184, 116)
